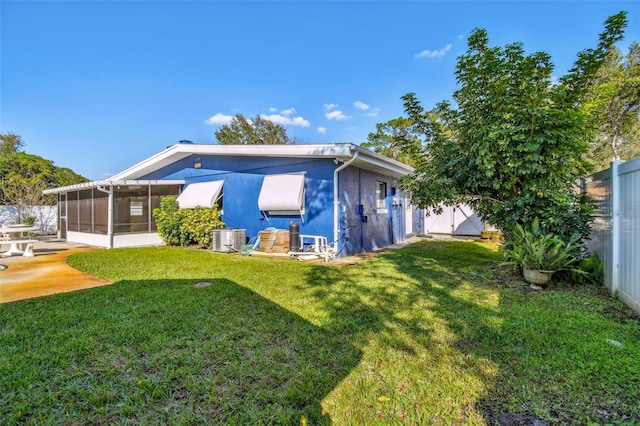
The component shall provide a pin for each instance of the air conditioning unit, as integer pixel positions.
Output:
(228, 239)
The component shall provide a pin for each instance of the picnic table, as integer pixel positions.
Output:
(18, 243)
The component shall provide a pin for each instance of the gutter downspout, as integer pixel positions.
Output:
(336, 201)
(109, 213)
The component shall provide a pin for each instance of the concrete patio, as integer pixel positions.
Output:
(45, 273)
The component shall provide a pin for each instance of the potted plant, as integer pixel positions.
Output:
(541, 255)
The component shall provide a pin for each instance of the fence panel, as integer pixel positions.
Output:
(629, 255)
(598, 187)
(45, 217)
(615, 233)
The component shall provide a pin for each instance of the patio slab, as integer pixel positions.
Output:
(44, 274)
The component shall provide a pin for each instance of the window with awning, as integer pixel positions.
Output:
(204, 194)
(282, 194)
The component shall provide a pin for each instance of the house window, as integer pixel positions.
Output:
(136, 208)
(381, 194)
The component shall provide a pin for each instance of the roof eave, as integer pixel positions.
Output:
(106, 183)
(340, 151)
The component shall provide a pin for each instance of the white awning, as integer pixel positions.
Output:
(282, 194)
(203, 194)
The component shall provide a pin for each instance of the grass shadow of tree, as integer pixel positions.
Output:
(163, 351)
(406, 305)
(439, 309)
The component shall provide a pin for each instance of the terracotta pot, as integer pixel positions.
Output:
(535, 276)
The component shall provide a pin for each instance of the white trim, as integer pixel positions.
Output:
(105, 183)
(120, 240)
(338, 151)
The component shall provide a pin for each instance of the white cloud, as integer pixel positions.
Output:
(434, 53)
(329, 107)
(286, 121)
(361, 105)
(288, 111)
(322, 130)
(301, 122)
(219, 119)
(373, 113)
(336, 115)
(273, 109)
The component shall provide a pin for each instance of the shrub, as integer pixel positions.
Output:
(590, 270)
(534, 249)
(198, 225)
(168, 221)
(181, 227)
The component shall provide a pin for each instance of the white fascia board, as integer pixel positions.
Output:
(155, 162)
(103, 183)
(179, 151)
(379, 163)
(339, 151)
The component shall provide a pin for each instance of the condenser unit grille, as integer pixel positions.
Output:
(227, 240)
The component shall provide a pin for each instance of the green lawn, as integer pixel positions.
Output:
(433, 333)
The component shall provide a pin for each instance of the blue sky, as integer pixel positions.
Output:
(98, 86)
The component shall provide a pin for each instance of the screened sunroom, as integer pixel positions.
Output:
(112, 213)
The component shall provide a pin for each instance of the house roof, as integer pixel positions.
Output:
(340, 152)
(110, 182)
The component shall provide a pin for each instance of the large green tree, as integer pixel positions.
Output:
(395, 139)
(612, 106)
(253, 131)
(512, 144)
(10, 143)
(24, 176)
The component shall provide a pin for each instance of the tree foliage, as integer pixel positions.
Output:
(24, 176)
(612, 107)
(395, 139)
(10, 143)
(253, 131)
(512, 145)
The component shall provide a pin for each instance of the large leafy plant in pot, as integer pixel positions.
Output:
(541, 255)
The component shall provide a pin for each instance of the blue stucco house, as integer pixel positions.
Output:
(343, 192)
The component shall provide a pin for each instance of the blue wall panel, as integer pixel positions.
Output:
(243, 178)
(363, 227)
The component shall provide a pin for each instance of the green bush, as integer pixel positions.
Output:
(168, 221)
(534, 249)
(590, 270)
(198, 225)
(181, 227)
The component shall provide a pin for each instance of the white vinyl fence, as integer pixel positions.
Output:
(46, 217)
(615, 235)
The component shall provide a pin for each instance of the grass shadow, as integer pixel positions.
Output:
(166, 352)
(447, 341)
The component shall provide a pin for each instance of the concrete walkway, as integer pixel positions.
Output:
(44, 274)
